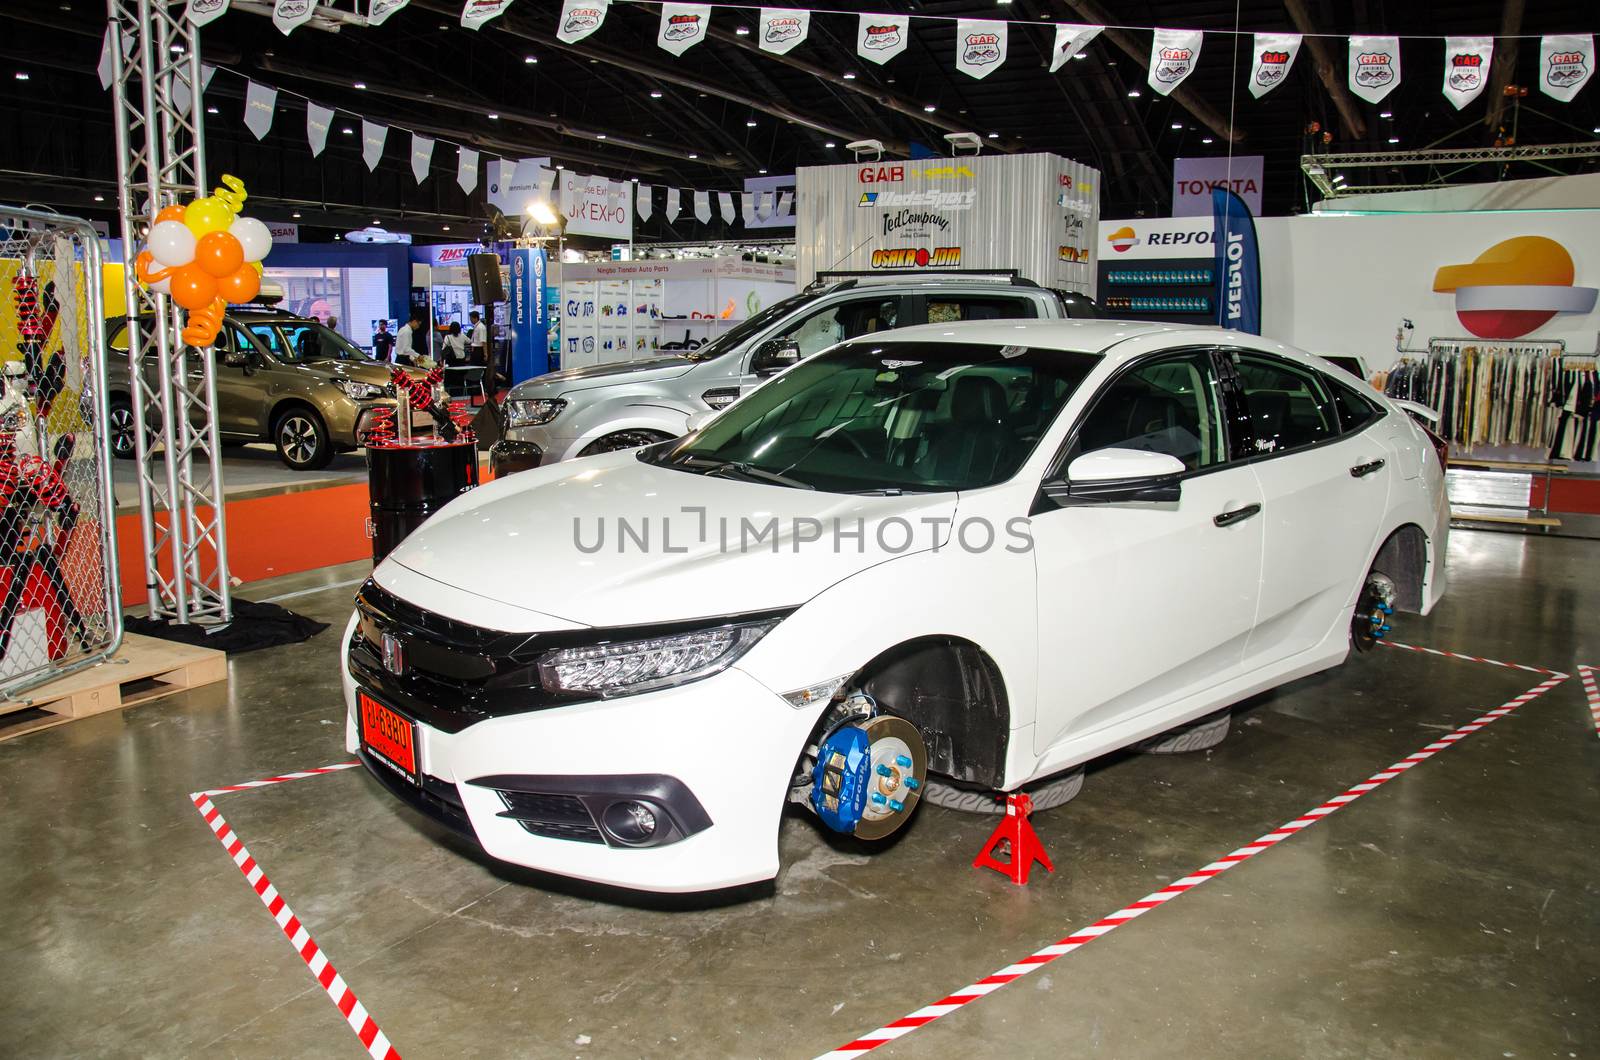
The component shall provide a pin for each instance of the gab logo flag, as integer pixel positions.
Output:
(1274, 54)
(882, 37)
(1565, 62)
(1374, 66)
(1070, 40)
(683, 26)
(782, 28)
(1466, 68)
(475, 13)
(1173, 53)
(579, 18)
(980, 46)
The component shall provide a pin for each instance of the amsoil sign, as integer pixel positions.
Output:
(1193, 179)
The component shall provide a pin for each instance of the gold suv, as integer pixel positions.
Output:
(282, 379)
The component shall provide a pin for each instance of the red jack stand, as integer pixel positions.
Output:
(1021, 840)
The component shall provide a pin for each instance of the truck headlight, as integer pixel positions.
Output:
(532, 413)
(358, 390)
(626, 667)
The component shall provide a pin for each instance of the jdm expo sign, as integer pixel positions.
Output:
(1194, 178)
(1031, 213)
(596, 206)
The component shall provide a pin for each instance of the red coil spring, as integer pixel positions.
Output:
(381, 431)
(25, 293)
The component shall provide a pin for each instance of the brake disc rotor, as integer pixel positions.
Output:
(899, 768)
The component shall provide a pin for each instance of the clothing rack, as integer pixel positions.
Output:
(1487, 392)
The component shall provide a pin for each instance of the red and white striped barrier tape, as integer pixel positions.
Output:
(269, 781)
(1473, 658)
(1591, 693)
(990, 983)
(356, 1015)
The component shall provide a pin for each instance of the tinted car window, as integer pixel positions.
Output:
(267, 336)
(840, 321)
(1167, 406)
(1289, 406)
(868, 416)
(948, 308)
(1355, 411)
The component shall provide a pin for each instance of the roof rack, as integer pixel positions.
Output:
(858, 276)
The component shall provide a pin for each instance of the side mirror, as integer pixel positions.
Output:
(773, 356)
(235, 359)
(699, 419)
(1118, 475)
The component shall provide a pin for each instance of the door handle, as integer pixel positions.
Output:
(1238, 515)
(1363, 470)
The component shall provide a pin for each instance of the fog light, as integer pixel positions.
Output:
(633, 823)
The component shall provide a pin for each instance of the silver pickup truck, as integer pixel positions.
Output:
(602, 408)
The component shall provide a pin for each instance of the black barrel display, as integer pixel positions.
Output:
(411, 481)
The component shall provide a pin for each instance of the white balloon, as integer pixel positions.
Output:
(171, 243)
(164, 286)
(253, 236)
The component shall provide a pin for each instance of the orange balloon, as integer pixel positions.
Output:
(219, 253)
(170, 213)
(193, 287)
(241, 285)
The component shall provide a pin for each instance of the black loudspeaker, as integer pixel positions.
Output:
(485, 272)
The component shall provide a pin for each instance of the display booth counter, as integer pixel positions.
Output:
(623, 310)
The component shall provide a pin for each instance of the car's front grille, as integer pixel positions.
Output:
(551, 816)
(436, 798)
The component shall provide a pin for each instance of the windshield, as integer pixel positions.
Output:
(871, 417)
(743, 330)
(301, 341)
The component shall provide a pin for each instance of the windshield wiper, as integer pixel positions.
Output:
(717, 466)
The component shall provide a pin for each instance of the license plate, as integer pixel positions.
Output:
(388, 736)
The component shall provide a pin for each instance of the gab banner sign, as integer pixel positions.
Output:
(1173, 53)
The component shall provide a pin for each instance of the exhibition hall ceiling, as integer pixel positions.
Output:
(617, 104)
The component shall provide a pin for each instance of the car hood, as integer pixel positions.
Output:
(374, 372)
(565, 541)
(568, 379)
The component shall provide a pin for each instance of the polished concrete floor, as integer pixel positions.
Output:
(1454, 912)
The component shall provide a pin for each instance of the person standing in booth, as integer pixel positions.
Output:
(405, 343)
(382, 342)
(477, 340)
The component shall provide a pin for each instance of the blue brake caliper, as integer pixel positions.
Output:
(842, 776)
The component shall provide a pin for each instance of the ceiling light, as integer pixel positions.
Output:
(530, 60)
(347, 130)
(494, 117)
(1177, 125)
(22, 75)
(994, 136)
(177, 49)
(749, 125)
(1394, 139)
(599, 136)
(1206, 140)
(930, 108)
(1338, 178)
(1386, 114)
(694, 156)
(850, 76)
(446, 228)
(743, 31)
(99, 198)
(1081, 55)
(763, 172)
(297, 216)
(360, 84)
(212, 110)
(830, 143)
(1133, 93)
(655, 94)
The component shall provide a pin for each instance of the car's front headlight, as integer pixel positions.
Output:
(358, 390)
(626, 667)
(533, 412)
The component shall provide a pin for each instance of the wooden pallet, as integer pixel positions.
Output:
(143, 669)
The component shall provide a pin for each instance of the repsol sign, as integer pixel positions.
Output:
(1202, 238)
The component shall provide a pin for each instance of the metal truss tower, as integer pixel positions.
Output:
(160, 140)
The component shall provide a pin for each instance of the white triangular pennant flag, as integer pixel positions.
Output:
(382, 9)
(642, 203)
(747, 208)
(785, 203)
(372, 141)
(880, 38)
(1466, 68)
(1374, 66)
(260, 103)
(290, 15)
(1071, 39)
(579, 18)
(200, 12)
(467, 169)
(180, 85)
(725, 206)
(781, 29)
(760, 206)
(103, 68)
(682, 26)
(1173, 54)
(1272, 56)
(318, 121)
(980, 46)
(1565, 62)
(475, 13)
(702, 206)
(674, 204)
(421, 156)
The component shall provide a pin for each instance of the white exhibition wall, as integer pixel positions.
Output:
(1342, 283)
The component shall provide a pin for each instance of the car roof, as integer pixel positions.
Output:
(1076, 335)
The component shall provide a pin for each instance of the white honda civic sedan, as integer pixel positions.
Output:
(942, 564)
